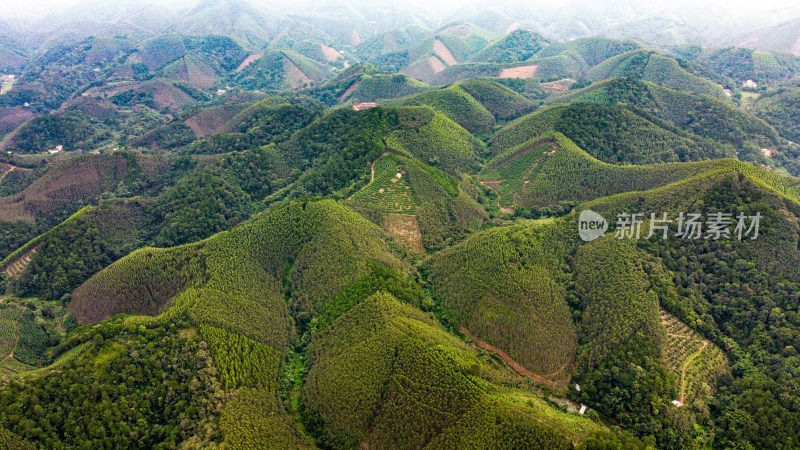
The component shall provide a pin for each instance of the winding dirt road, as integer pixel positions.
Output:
(507, 359)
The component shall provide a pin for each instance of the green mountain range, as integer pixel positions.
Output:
(338, 226)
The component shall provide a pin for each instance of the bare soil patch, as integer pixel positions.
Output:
(331, 54)
(247, 61)
(518, 72)
(558, 85)
(15, 267)
(349, 91)
(405, 229)
(294, 75)
(507, 359)
(436, 64)
(443, 52)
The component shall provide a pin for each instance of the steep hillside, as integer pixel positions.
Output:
(779, 109)
(234, 18)
(517, 46)
(66, 185)
(475, 104)
(622, 338)
(455, 103)
(423, 387)
(365, 83)
(651, 66)
(70, 253)
(280, 70)
(422, 207)
(334, 153)
(742, 64)
(73, 183)
(234, 284)
(160, 94)
(308, 41)
(588, 52)
(502, 286)
(504, 103)
(700, 115)
(64, 69)
(552, 169)
(613, 134)
(449, 46)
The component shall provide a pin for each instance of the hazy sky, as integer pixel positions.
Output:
(38, 8)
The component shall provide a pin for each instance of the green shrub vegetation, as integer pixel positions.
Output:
(700, 115)
(613, 134)
(46, 132)
(241, 362)
(274, 269)
(619, 359)
(779, 109)
(120, 394)
(197, 207)
(280, 70)
(442, 209)
(502, 102)
(437, 141)
(70, 253)
(651, 66)
(262, 123)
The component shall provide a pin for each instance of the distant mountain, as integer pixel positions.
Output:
(234, 18)
(780, 38)
(743, 64)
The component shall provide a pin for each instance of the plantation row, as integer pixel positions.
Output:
(503, 285)
(570, 174)
(386, 374)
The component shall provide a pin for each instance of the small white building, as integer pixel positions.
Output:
(750, 84)
(57, 149)
(583, 409)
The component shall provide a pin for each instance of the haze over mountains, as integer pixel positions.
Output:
(232, 224)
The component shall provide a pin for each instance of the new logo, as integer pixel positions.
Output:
(591, 225)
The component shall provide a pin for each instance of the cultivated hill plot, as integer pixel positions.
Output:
(697, 362)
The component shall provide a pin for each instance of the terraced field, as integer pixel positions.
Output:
(692, 358)
(509, 175)
(389, 191)
(16, 266)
